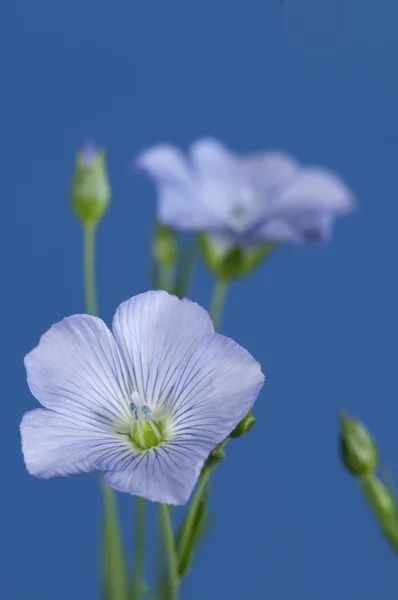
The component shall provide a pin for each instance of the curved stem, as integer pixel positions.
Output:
(89, 268)
(186, 533)
(139, 548)
(218, 301)
(172, 563)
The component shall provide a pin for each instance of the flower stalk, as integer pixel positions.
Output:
(359, 456)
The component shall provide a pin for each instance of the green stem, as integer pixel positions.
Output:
(185, 269)
(115, 582)
(114, 574)
(89, 268)
(218, 301)
(382, 504)
(186, 533)
(172, 563)
(139, 548)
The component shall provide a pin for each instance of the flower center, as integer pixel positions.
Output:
(145, 433)
(243, 208)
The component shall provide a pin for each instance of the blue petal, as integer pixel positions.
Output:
(164, 474)
(211, 158)
(218, 384)
(305, 210)
(77, 371)
(177, 204)
(306, 228)
(315, 189)
(54, 445)
(154, 332)
(269, 173)
(164, 163)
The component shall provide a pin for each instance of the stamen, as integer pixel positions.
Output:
(141, 435)
(147, 413)
(144, 432)
(134, 410)
(155, 430)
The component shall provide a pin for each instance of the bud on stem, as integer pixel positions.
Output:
(90, 193)
(244, 425)
(359, 456)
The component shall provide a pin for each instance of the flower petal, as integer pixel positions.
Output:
(77, 371)
(210, 157)
(164, 163)
(177, 204)
(54, 445)
(315, 189)
(269, 173)
(218, 384)
(315, 227)
(154, 332)
(164, 474)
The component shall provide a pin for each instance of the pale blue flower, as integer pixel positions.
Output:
(145, 403)
(244, 200)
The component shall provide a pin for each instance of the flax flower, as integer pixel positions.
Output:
(145, 404)
(244, 200)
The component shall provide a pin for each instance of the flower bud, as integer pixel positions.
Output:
(164, 245)
(231, 262)
(216, 456)
(90, 192)
(244, 425)
(357, 449)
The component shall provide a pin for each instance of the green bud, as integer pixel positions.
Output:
(357, 449)
(232, 262)
(244, 425)
(164, 245)
(90, 193)
(216, 456)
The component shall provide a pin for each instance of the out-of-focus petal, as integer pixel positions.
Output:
(164, 163)
(269, 173)
(211, 158)
(299, 229)
(317, 189)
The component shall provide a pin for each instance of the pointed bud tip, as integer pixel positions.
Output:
(88, 152)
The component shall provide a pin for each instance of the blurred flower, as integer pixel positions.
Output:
(145, 404)
(90, 192)
(244, 200)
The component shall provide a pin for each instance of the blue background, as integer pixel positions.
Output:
(315, 77)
